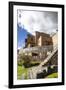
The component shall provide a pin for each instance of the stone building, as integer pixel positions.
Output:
(40, 39)
(40, 45)
(37, 45)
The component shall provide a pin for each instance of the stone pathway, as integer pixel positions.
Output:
(38, 69)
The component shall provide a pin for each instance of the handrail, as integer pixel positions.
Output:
(38, 49)
(48, 58)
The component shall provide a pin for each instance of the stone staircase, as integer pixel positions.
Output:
(48, 66)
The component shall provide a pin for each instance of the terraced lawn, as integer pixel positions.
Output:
(53, 75)
(22, 71)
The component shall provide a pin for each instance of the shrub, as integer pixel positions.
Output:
(20, 62)
(27, 61)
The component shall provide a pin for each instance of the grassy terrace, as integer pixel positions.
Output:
(25, 64)
(21, 71)
(53, 75)
(24, 71)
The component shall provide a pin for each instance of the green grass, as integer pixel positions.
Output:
(53, 75)
(21, 71)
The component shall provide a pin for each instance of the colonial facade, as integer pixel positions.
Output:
(40, 39)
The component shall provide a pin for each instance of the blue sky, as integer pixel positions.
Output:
(21, 36)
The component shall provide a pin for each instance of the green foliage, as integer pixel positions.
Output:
(27, 61)
(20, 62)
(53, 75)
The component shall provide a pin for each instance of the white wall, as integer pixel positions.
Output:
(4, 43)
(55, 39)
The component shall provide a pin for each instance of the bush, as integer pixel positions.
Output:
(20, 62)
(49, 70)
(27, 61)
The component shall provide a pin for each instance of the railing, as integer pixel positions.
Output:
(48, 58)
(38, 49)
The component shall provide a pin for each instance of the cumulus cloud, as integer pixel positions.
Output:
(38, 21)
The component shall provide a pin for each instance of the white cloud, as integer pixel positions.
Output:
(38, 21)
